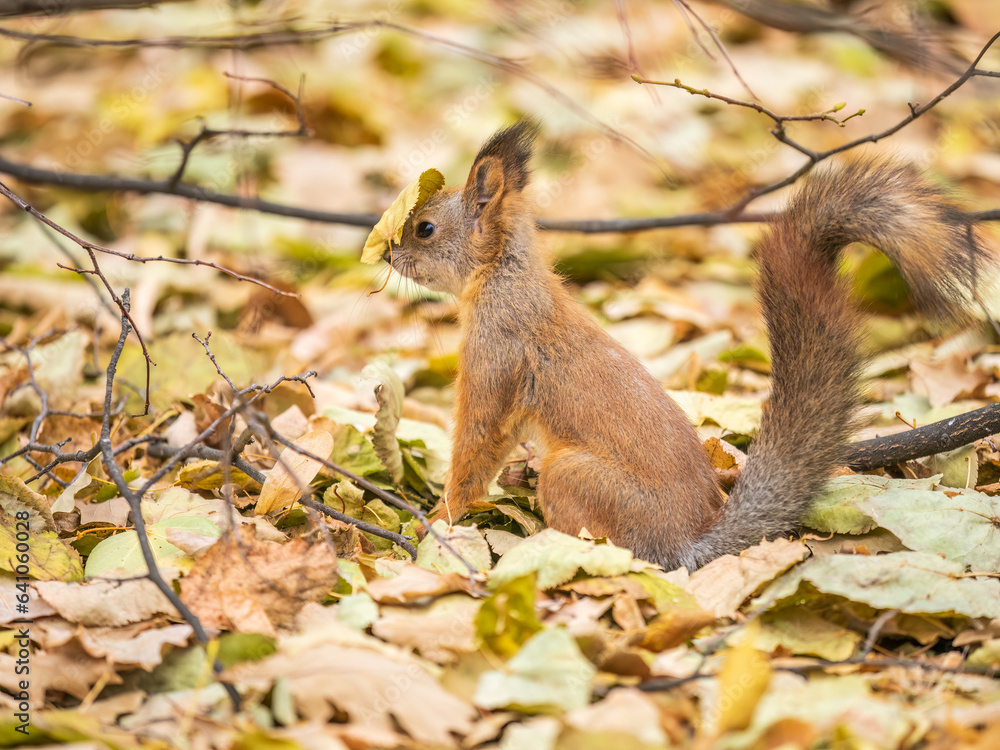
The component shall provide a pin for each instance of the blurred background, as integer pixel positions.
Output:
(334, 107)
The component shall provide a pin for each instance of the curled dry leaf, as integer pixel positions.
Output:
(389, 393)
(293, 471)
(390, 226)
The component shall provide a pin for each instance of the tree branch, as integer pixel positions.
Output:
(12, 8)
(946, 435)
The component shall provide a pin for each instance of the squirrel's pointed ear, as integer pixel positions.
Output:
(502, 166)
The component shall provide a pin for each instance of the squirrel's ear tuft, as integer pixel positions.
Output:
(511, 149)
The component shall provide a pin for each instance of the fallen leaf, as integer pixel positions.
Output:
(467, 541)
(725, 583)
(548, 673)
(556, 557)
(106, 603)
(375, 691)
(437, 632)
(414, 583)
(390, 226)
(389, 394)
(293, 472)
(627, 717)
(744, 677)
(244, 584)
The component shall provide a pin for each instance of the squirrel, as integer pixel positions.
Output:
(619, 457)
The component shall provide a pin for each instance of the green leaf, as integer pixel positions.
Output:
(960, 526)
(465, 540)
(507, 618)
(556, 557)
(123, 550)
(548, 674)
(837, 511)
(240, 647)
(801, 631)
(41, 554)
(390, 226)
(911, 582)
(357, 611)
(353, 451)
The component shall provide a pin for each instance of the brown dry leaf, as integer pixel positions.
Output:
(114, 511)
(15, 496)
(725, 583)
(136, 646)
(724, 456)
(372, 688)
(414, 583)
(8, 602)
(257, 586)
(943, 382)
(69, 669)
(437, 632)
(106, 603)
(626, 613)
(284, 485)
(672, 628)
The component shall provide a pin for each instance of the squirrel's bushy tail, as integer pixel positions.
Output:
(815, 332)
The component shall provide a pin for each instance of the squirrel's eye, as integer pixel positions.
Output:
(425, 229)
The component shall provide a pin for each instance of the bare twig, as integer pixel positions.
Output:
(207, 134)
(687, 13)
(820, 665)
(392, 536)
(382, 494)
(92, 247)
(10, 98)
(11, 8)
(134, 500)
(827, 116)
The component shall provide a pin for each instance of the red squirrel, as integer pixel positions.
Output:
(620, 458)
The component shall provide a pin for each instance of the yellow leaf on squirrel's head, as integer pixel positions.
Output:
(390, 227)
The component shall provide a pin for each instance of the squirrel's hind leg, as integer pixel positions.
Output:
(582, 491)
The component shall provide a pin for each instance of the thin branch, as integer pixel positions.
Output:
(134, 500)
(14, 99)
(382, 494)
(12, 8)
(826, 116)
(112, 183)
(687, 12)
(92, 247)
(665, 683)
(815, 157)
(296, 36)
(392, 536)
(207, 134)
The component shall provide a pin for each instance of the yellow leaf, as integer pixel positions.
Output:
(390, 226)
(283, 485)
(743, 680)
